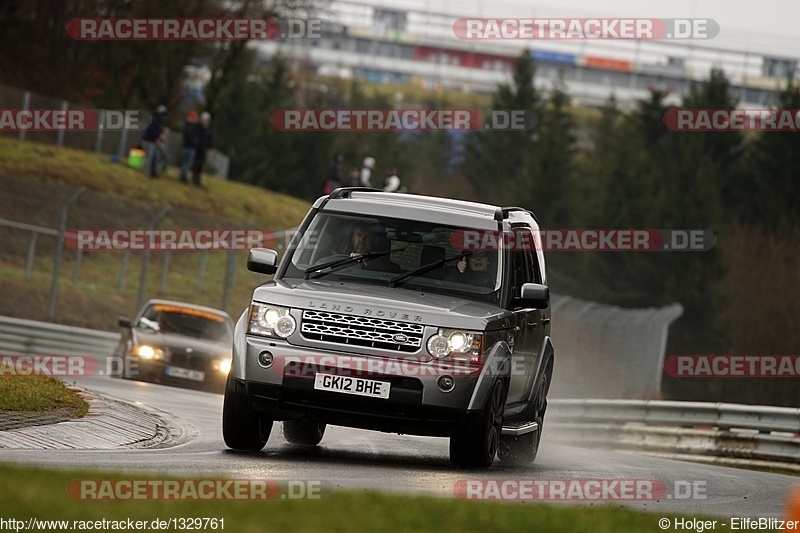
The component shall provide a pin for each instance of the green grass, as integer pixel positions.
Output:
(36, 178)
(37, 393)
(43, 494)
(237, 202)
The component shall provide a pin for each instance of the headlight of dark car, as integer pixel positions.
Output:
(271, 321)
(223, 365)
(145, 351)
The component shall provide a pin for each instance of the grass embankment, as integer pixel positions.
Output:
(43, 495)
(36, 179)
(39, 394)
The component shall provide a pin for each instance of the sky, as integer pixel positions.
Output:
(762, 26)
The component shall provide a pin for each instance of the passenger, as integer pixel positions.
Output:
(475, 269)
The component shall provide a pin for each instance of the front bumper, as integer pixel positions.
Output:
(416, 404)
(157, 371)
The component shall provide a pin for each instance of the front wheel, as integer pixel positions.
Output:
(242, 428)
(522, 450)
(303, 432)
(476, 440)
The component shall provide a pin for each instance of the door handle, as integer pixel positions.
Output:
(545, 321)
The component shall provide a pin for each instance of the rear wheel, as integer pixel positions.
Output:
(303, 432)
(242, 427)
(476, 440)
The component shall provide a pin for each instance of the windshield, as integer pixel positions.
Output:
(190, 322)
(388, 251)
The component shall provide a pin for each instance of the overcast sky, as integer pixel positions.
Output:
(765, 26)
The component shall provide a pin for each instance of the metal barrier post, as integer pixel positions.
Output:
(230, 274)
(31, 252)
(26, 103)
(62, 228)
(60, 137)
(146, 256)
(98, 144)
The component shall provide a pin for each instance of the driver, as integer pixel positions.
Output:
(369, 238)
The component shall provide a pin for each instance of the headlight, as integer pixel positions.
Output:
(271, 321)
(223, 365)
(148, 352)
(449, 342)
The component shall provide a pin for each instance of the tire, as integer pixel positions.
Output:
(476, 440)
(522, 450)
(303, 432)
(242, 428)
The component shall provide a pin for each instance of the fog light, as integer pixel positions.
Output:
(265, 359)
(446, 383)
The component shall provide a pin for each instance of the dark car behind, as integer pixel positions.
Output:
(176, 343)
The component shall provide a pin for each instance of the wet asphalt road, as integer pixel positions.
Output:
(356, 459)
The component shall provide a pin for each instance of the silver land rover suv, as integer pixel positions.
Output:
(398, 313)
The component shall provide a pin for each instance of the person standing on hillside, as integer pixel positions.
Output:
(366, 172)
(150, 139)
(191, 136)
(391, 181)
(333, 179)
(204, 143)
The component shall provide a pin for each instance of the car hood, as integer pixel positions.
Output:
(176, 343)
(403, 305)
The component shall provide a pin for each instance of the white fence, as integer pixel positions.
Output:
(605, 351)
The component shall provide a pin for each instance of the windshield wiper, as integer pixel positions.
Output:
(343, 262)
(425, 268)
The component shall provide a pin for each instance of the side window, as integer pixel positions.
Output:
(528, 245)
(519, 271)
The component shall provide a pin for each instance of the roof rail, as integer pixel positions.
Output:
(347, 192)
(509, 209)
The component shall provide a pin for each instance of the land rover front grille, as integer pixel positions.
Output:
(362, 331)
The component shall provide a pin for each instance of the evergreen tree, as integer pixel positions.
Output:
(495, 159)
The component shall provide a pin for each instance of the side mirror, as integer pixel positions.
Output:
(534, 295)
(262, 260)
(124, 322)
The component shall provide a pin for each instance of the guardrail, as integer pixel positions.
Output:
(696, 428)
(711, 429)
(19, 336)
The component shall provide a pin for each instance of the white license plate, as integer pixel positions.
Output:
(348, 385)
(185, 373)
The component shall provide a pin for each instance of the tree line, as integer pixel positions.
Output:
(627, 171)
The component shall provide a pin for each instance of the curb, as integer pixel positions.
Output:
(109, 424)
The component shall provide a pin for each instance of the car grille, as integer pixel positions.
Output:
(362, 331)
(193, 361)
